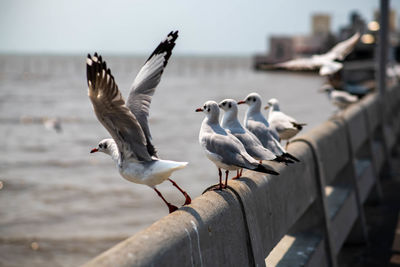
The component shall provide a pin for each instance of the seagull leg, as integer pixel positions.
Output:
(287, 144)
(238, 174)
(220, 178)
(171, 207)
(188, 200)
(226, 178)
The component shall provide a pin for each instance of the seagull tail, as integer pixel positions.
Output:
(265, 169)
(298, 126)
(290, 156)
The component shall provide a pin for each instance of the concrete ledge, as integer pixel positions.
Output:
(209, 232)
(332, 145)
(357, 127)
(365, 178)
(343, 212)
(305, 249)
(270, 211)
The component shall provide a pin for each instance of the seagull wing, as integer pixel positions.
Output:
(110, 109)
(145, 83)
(299, 64)
(342, 49)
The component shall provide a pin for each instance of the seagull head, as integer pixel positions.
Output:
(228, 105)
(272, 103)
(104, 146)
(211, 109)
(253, 100)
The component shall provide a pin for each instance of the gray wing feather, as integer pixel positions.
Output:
(230, 149)
(145, 83)
(110, 109)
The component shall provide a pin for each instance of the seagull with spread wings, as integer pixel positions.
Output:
(131, 145)
(326, 63)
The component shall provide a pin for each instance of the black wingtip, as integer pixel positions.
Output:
(282, 159)
(262, 168)
(287, 155)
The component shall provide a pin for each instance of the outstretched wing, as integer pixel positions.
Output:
(342, 49)
(146, 82)
(299, 64)
(110, 109)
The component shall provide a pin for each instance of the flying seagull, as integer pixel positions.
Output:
(326, 63)
(130, 146)
(224, 149)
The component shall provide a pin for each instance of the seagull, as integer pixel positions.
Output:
(255, 122)
(130, 146)
(286, 126)
(52, 124)
(326, 63)
(251, 143)
(341, 99)
(224, 149)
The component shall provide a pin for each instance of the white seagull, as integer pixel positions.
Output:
(341, 99)
(326, 63)
(251, 143)
(286, 126)
(224, 149)
(130, 146)
(255, 122)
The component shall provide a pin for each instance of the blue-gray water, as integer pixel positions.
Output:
(60, 205)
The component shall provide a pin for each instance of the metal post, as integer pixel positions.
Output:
(383, 45)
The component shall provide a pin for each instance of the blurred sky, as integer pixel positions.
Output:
(133, 27)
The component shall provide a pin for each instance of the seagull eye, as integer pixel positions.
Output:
(100, 145)
(224, 103)
(254, 99)
(230, 105)
(208, 110)
(105, 146)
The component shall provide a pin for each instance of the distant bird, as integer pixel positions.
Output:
(326, 63)
(224, 149)
(341, 99)
(130, 146)
(255, 122)
(286, 126)
(52, 124)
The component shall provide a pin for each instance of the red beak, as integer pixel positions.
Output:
(241, 102)
(199, 110)
(94, 150)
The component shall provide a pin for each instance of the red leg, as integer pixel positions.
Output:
(171, 207)
(226, 178)
(188, 200)
(238, 174)
(220, 178)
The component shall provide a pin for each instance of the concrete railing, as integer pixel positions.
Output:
(301, 217)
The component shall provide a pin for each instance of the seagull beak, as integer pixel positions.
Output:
(241, 102)
(199, 110)
(266, 107)
(94, 150)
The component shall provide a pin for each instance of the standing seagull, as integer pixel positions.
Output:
(255, 122)
(251, 143)
(130, 146)
(326, 63)
(224, 149)
(286, 126)
(341, 99)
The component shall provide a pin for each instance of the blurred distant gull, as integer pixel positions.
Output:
(224, 149)
(326, 62)
(52, 124)
(286, 126)
(251, 143)
(341, 99)
(255, 122)
(130, 146)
